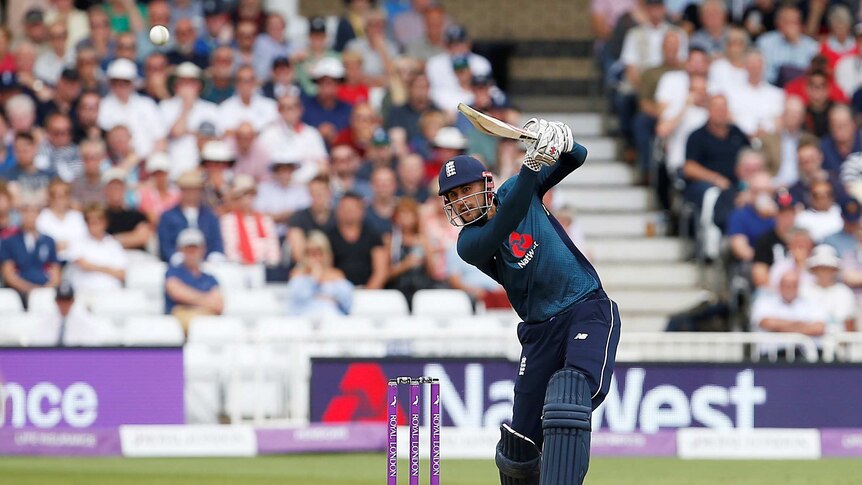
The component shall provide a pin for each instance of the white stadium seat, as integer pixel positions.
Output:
(147, 276)
(347, 325)
(27, 329)
(153, 330)
(378, 303)
(119, 304)
(99, 331)
(442, 303)
(10, 301)
(229, 275)
(282, 329)
(41, 300)
(217, 330)
(251, 304)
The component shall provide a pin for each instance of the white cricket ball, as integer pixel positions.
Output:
(159, 35)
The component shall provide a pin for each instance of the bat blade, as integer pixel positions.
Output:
(492, 126)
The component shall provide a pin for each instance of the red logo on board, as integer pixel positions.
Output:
(520, 243)
(362, 398)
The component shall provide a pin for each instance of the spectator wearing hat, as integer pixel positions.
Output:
(407, 115)
(220, 84)
(125, 107)
(28, 259)
(35, 28)
(246, 105)
(184, 113)
(129, 226)
(189, 291)
(85, 120)
(282, 80)
(98, 261)
(59, 220)
(218, 31)
(281, 196)
(316, 288)
(250, 237)
(786, 48)
(317, 49)
(441, 68)
(448, 143)
(358, 250)
(375, 49)
(848, 70)
(183, 50)
(772, 245)
(831, 294)
(846, 241)
(25, 176)
(270, 45)
(355, 87)
(217, 159)
(351, 25)
(58, 153)
(290, 135)
(66, 94)
(87, 188)
(157, 195)
(325, 111)
(190, 212)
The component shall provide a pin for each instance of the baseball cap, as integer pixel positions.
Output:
(456, 33)
(190, 236)
(243, 184)
(214, 7)
(113, 174)
(851, 211)
(70, 74)
(158, 162)
(328, 67)
(191, 179)
(379, 138)
(460, 170)
(207, 128)
(317, 25)
(34, 16)
(65, 291)
(187, 70)
(122, 69)
(283, 159)
(280, 61)
(823, 255)
(460, 62)
(217, 151)
(450, 137)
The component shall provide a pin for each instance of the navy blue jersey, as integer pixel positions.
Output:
(525, 249)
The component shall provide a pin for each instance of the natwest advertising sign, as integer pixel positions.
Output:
(643, 398)
(93, 387)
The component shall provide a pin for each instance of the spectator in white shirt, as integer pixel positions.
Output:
(64, 224)
(98, 260)
(246, 104)
(678, 121)
(125, 107)
(441, 74)
(280, 197)
(787, 311)
(848, 71)
(50, 62)
(376, 49)
(291, 136)
(834, 296)
(756, 105)
(799, 247)
(183, 114)
(729, 71)
(642, 44)
(249, 236)
(73, 325)
(823, 218)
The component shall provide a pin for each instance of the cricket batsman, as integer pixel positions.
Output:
(570, 327)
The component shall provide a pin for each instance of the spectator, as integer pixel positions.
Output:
(823, 217)
(21, 113)
(92, 77)
(249, 11)
(384, 202)
(281, 197)
(249, 236)
(156, 78)
(799, 247)
(50, 62)
(786, 49)
(86, 118)
(316, 288)
(819, 66)
(729, 70)
(185, 33)
(7, 226)
(218, 30)
(57, 153)
(407, 116)
(28, 259)
(125, 107)
(318, 49)
(711, 152)
(246, 105)
(87, 188)
(282, 80)
(25, 61)
(217, 158)
(471, 280)
(72, 323)
(848, 70)
(189, 291)
(448, 143)
(357, 249)
(343, 174)
(190, 212)
(411, 173)
(379, 153)
(846, 241)
(125, 16)
(712, 37)
(839, 43)
(59, 220)
(34, 26)
(755, 106)
(121, 153)
(364, 121)
(773, 244)
(157, 195)
(24, 176)
(355, 88)
(98, 261)
(787, 311)
(749, 165)
(747, 223)
(432, 41)
(184, 113)
(441, 68)
(100, 38)
(220, 83)
(270, 45)
(811, 170)
(125, 47)
(158, 13)
(833, 296)
(376, 49)
(289, 134)
(66, 95)
(678, 121)
(843, 139)
(409, 26)
(780, 148)
(325, 111)
(819, 104)
(75, 20)
(252, 158)
(128, 225)
(352, 24)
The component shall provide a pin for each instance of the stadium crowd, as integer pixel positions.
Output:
(744, 116)
(315, 157)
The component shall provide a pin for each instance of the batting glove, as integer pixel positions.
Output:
(537, 152)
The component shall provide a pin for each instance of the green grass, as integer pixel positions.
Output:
(368, 469)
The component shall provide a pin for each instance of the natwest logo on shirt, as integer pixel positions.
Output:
(523, 247)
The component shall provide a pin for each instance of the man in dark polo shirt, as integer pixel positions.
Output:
(711, 151)
(128, 226)
(357, 249)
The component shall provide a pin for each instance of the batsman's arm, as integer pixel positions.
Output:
(478, 243)
(568, 163)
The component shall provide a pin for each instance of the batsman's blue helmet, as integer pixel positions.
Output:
(463, 170)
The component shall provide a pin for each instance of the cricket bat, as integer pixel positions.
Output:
(493, 126)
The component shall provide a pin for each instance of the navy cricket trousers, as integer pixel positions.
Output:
(583, 337)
